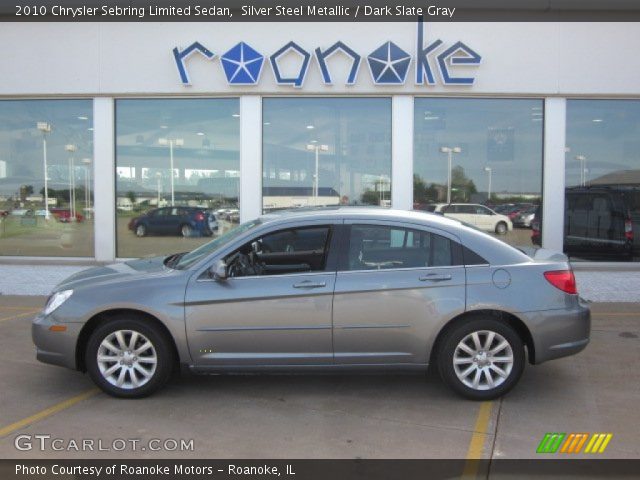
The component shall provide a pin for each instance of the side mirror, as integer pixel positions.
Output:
(219, 271)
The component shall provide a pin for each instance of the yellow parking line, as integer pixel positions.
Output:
(25, 314)
(476, 445)
(47, 412)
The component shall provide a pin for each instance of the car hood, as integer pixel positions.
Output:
(153, 266)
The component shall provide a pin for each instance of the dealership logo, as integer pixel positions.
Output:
(242, 65)
(574, 442)
(388, 64)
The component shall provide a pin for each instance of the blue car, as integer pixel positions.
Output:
(185, 221)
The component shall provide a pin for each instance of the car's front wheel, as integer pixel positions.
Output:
(141, 230)
(128, 357)
(481, 359)
(501, 228)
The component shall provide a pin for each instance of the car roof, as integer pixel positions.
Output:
(371, 213)
(492, 249)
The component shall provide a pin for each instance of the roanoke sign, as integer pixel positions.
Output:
(388, 64)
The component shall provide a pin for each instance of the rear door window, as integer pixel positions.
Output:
(379, 247)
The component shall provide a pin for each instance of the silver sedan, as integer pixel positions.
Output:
(343, 289)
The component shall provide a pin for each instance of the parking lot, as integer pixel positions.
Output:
(325, 416)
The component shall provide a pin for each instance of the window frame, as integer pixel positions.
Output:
(457, 259)
(330, 256)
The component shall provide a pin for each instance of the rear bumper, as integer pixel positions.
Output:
(55, 348)
(559, 333)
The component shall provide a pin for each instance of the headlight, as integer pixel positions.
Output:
(56, 300)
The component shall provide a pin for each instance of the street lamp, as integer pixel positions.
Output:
(583, 176)
(178, 142)
(45, 128)
(488, 170)
(87, 181)
(313, 147)
(449, 151)
(158, 178)
(72, 182)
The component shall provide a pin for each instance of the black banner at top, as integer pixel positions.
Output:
(319, 11)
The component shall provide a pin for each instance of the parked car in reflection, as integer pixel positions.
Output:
(63, 215)
(22, 212)
(524, 217)
(328, 290)
(185, 221)
(598, 222)
(477, 215)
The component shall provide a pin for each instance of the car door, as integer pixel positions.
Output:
(484, 219)
(395, 284)
(154, 219)
(279, 316)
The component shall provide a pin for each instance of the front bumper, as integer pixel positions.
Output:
(559, 333)
(55, 348)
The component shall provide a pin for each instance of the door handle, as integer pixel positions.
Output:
(309, 284)
(435, 277)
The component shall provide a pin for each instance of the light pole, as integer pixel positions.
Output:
(72, 182)
(317, 148)
(158, 176)
(178, 142)
(449, 151)
(45, 128)
(583, 161)
(488, 170)
(87, 182)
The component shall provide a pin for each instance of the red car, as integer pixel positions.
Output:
(64, 215)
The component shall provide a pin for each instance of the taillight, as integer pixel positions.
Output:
(199, 216)
(628, 229)
(563, 280)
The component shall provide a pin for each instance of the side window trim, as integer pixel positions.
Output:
(329, 262)
(457, 260)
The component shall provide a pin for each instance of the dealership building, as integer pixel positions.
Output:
(101, 122)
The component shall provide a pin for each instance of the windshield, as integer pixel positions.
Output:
(208, 248)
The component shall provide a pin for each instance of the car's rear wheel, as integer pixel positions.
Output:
(481, 359)
(128, 358)
(501, 228)
(186, 230)
(141, 230)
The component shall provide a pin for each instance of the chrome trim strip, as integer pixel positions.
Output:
(349, 327)
(251, 329)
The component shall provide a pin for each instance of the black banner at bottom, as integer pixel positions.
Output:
(317, 469)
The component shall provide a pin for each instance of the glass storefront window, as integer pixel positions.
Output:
(480, 161)
(602, 177)
(46, 142)
(326, 151)
(177, 173)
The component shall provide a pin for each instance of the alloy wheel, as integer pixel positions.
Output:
(483, 360)
(127, 359)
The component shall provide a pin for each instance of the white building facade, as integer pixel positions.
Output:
(261, 116)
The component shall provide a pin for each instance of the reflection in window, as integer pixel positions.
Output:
(326, 151)
(46, 142)
(377, 247)
(602, 175)
(175, 153)
(480, 151)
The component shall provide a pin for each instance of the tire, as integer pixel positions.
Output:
(455, 376)
(141, 230)
(501, 228)
(132, 383)
(186, 230)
